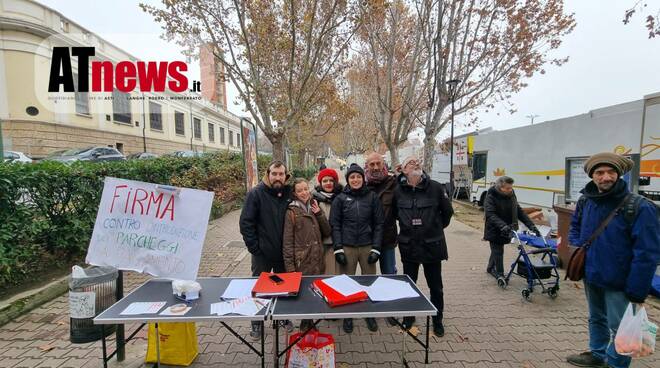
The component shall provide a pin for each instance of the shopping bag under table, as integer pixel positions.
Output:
(314, 350)
(178, 343)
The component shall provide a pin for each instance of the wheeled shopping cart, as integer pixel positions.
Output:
(535, 265)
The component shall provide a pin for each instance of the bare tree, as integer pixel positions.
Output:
(652, 21)
(388, 68)
(492, 46)
(278, 54)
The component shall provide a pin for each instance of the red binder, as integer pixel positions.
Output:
(265, 287)
(335, 298)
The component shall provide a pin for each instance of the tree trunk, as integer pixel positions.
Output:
(278, 147)
(429, 150)
(394, 155)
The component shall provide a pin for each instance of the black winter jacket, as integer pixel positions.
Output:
(500, 210)
(423, 213)
(357, 219)
(385, 192)
(262, 220)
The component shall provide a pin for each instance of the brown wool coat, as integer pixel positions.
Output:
(303, 241)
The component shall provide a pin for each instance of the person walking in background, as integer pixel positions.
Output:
(423, 209)
(502, 215)
(620, 261)
(357, 220)
(305, 225)
(262, 225)
(324, 194)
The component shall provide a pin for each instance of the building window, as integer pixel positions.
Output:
(197, 128)
(231, 138)
(238, 140)
(82, 99)
(222, 135)
(155, 116)
(211, 132)
(121, 107)
(178, 123)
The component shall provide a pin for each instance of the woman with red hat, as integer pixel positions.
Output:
(324, 194)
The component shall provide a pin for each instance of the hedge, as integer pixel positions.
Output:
(48, 209)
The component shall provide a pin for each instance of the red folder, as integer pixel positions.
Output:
(265, 287)
(335, 298)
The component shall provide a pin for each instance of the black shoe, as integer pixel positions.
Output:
(408, 322)
(306, 324)
(391, 321)
(371, 324)
(586, 359)
(348, 325)
(255, 333)
(438, 329)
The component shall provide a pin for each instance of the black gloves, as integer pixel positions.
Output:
(341, 258)
(506, 231)
(536, 231)
(373, 257)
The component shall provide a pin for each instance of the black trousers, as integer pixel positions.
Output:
(433, 274)
(496, 260)
(262, 264)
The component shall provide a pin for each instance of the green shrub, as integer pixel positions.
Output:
(306, 173)
(48, 209)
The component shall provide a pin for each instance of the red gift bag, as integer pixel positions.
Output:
(315, 350)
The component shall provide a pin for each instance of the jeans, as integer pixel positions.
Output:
(606, 308)
(433, 274)
(496, 260)
(387, 261)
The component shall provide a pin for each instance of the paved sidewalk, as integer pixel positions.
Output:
(485, 326)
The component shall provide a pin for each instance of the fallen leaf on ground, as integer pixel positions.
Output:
(463, 338)
(46, 347)
(577, 286)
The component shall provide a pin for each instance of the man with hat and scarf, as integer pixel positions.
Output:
(620, 261)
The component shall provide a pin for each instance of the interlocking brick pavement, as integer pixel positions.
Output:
(485, 326)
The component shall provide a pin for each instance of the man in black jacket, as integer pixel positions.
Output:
(502, 215)
(423, 210)
(356, 217)
(262, 225)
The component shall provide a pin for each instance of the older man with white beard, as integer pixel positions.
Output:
(423, 210)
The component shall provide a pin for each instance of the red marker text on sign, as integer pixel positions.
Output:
(141, 201)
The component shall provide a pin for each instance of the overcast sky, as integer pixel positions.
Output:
(610, 63)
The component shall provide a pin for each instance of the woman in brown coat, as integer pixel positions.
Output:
(305, 226)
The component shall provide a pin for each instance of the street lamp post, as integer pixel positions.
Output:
(452, 86)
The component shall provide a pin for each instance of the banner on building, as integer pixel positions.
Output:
(150, 228)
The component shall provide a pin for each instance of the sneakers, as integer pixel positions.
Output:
(371, 324)
(288, 325)
(348, 325)
(586, 359)
(408, 322)
(438, 329)
(255, 333)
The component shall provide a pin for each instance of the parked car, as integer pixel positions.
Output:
(141, 156)
(187, 154)
(54, 154)
(15, 156)
(95, 154)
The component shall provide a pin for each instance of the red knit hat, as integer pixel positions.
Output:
(328, 172)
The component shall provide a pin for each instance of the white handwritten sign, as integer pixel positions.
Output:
(82, 304)
(142, 227)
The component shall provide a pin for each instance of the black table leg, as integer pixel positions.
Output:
(426, 358)
(105, 352)
(263, 347)
(157, 346)
(277, 344)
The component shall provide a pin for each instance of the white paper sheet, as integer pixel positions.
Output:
(244, 306)
(386, 289)
(344, 285)
(168, 312)
(239, 288)
(143, 308)
(221, 308)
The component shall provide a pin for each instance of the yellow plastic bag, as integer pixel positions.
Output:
(178, 343)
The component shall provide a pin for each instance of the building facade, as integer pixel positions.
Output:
(39, 122)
